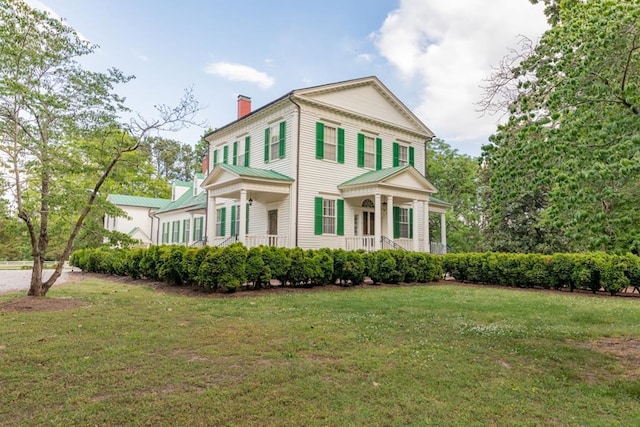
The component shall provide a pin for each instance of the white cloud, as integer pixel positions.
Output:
(449, 47)
(365, 58)
(240, 73)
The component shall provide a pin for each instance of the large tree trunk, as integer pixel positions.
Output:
(37, 288)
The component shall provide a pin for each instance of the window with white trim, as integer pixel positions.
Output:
(236, 226)
(219, 222)
(328, 216)
(175, 235)
(274, 142)
(369, 152)
(403, 155)
(330, 143)
(186, 225)
(403, 220)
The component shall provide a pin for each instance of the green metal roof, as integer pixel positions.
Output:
(200, 175)
(439, 201)
(146, 202)
(372, 177)
(254, 172)
(187, 200)
(180, 183)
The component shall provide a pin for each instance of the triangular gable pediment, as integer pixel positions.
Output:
(367, 97)
(405, 180)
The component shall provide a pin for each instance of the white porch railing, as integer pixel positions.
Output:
(438, 248)
(353, 243)
(252, 240)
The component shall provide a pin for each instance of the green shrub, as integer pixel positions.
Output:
(171, 269)
(279, 262)
(258, 272)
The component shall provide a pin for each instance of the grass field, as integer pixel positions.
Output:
(424, 355)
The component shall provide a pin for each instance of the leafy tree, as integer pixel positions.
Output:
(172, 159)
(568, 160)
(59, 126)
(455, 176)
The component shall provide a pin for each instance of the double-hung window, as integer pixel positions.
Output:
(198, 227)
(175, 235)
(220, 221)
(186, 225)
(241, 152)
(274, 142)
(329, 216)
(329, 142)
(402, 155)
(402, 223)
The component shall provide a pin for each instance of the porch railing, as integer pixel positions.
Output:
(387, 243)
(354, 243)
(438, 248)
(252, 240)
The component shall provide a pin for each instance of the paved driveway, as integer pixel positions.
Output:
(18, 280)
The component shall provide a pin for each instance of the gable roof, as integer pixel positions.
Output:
(314, 94)
(244, 172)
(145, 202)
(388, 176)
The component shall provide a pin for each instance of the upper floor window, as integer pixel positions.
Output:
(402, 155)
(241, 152)
(369, 152)
(329, 142)
(274, 142)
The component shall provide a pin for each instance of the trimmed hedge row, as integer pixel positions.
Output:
(589, 271)
(232, 267)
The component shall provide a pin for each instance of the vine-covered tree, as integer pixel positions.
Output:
(60, 130)
(565, 168)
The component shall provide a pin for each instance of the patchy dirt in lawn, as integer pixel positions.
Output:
(625, 350)
(31, 304)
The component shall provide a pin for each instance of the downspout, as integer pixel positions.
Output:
(297, 169)
(206, 205)
(152, 216)
(426, 165)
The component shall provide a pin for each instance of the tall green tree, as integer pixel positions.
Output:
(568, 160)
(455, 175)
(172, 159)
(59, 128)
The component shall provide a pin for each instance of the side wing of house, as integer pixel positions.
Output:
(139, 222)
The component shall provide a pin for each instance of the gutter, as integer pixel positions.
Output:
(297, 178)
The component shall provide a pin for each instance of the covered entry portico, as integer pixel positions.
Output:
(256, 199)
(391, 208)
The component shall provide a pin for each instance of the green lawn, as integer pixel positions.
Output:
(425, 355)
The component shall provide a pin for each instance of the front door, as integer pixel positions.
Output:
(368, 223)
(273, 227)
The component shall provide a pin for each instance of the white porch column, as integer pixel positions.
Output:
(210, 220)
(378, 222)
(416, 239)
(242, 233)
(390, 217)
(427, 235)
(443, 232)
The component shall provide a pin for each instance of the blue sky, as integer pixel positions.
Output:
(432, 54)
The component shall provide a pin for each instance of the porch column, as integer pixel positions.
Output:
(242, 233)
(390, 217)
(427, 236)
(443, 232)
(416, 240)
(378, 222)
(210, 220)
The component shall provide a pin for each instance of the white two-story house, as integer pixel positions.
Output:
(339, 165)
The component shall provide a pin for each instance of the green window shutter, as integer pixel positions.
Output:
(340, 214)
(184, 230)
(235, 153)
(396, 222)
(267, 135)
(340, 145)
(246, 217)
(195, 237)
(233, 221)
(360, 150)
(283, 140)
(247, 145)
(223, 221)
(319, 140)
(225, 154)
(215, 158)
(318, 216)
(201, 220)
(396, 154)
(411, 223)
(411, 156)
(378, 153)
(162, 237)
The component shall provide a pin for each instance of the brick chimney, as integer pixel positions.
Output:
(244, 106)
(205, 164)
